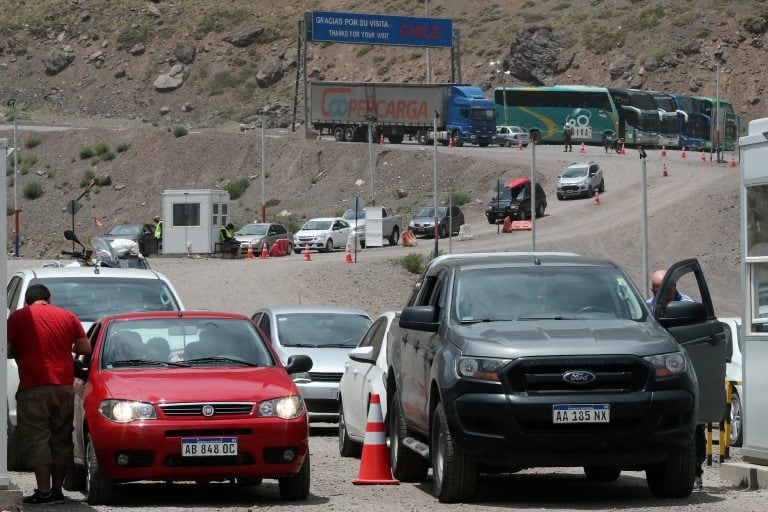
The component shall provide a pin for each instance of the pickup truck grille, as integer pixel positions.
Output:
(569, 189)
(540, 375)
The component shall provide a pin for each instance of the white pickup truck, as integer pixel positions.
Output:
(391, 224)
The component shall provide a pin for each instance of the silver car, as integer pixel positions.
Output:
(511, 136)
(324, 333)
(580, 180)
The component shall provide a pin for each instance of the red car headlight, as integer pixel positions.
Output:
(126, 411)
(287, 407)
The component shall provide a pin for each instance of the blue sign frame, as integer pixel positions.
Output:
(380, 29)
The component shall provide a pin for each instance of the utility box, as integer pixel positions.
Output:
(192, 220)
(753, 199)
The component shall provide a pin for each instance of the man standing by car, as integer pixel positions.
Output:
(42, 337)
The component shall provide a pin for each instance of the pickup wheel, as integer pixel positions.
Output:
(407, 465)
(602, 473)
(737, 433)
(454, 473)
(673, 478)
(601, 186)
(347, 447)
(492, 219)
(394, 237)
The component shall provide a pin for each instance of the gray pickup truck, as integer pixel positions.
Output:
(391, 224)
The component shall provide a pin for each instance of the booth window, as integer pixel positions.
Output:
(220, 214)
(186, 214)
(757, 256)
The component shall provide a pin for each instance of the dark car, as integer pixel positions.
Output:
(514, 201)
(142, 234)
(449, 220)
(506, 361)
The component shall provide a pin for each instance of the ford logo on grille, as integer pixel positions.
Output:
(579, 377)
(208, 410)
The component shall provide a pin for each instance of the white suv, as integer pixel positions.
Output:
(89, 293)
(580, 180)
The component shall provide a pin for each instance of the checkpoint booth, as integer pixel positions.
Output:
(192, 220)
(753, 197)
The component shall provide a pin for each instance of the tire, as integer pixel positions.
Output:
(394, 237)
(737, 431)
(507, 143)
(296, 487)
(673, 478)
(14, 458)
(540, 212)
(338, 134)
(458, 139)
(328, 246)
(559, 197)
(74, 479)
(601, 187)
(395, 139)
(602, 473)
(296, 250)
(349, 134)
(590, 191)
(407, 465)
(347, 447)
(442, 232)
(99, 490)
(422, 138)
(492, 219)
(290, 250)
(454, 474)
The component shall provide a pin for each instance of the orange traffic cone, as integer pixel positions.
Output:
(249, 254)
(664, 172)
(623, 152)
(348, 258)
(733, 160)
(507, 226)
(307, 256)
(703, 158)
(264, 253)
(581, 149)
(663, 152)
(519, 146)
(597, 199)
(450, 142)
(682, 153)
(381, 139)
(374, 461)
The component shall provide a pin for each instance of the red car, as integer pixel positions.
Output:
(187, 396)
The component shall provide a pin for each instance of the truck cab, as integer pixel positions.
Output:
(471, 116)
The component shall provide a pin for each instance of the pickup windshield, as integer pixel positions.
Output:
(350, 214)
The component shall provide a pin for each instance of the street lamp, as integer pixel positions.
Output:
(12, 103)
(504, 74)
(643, 156)
(434, 184)
(371, 119)
(429, 55)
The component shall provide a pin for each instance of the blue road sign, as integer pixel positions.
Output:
(359, 28)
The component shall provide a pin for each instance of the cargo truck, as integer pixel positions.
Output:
(396, 110)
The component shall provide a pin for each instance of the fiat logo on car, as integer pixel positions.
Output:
(208, 410)
(579, 377)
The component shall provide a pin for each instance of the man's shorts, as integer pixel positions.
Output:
(45, 415)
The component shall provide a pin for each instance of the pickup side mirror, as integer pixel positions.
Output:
(679, 313)
(419, 318)
(298, 364)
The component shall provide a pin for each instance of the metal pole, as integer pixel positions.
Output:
(717, 103)
(304, 77)
(429, 55)
(504, 92)
(5, 481)
(15, 185)
(646, 292)
(533, 196)
(450, 224)
(434, 171)
(263, 169)
(370, 161)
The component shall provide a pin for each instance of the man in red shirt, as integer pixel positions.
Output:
(42, 337)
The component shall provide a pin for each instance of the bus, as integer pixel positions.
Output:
(672, 121)
(722, 131)
(544, 111)
(691, 124)
(640, 119)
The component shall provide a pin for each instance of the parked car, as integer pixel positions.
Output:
(365, 374)
(142, 234)
(193, 396)
(511, 136)
(449, 221)
(89, 293)
(505, 361)
(580, 180)
(733, 373)
(391, 224)
(514, 201)
(324, 333)
(324, 234)
(260, 233)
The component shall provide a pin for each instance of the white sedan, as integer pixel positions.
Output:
(324, 234)
(364, 374)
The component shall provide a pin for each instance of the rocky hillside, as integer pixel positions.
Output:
(205, 62)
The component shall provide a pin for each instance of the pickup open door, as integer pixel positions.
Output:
(695, 327)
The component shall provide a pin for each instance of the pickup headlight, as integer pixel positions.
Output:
(667, 365)
(287, 408)
(480, 368)
(126, 411)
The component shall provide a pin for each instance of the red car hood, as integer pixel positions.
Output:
(198, 384)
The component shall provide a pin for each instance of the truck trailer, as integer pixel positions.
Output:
(397, 110)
